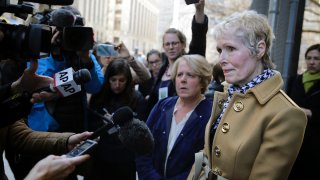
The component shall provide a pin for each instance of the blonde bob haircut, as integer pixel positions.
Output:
(199, 65)
(251, 28)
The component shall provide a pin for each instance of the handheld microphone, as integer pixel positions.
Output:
(66, 82)
(133, 133)
(111, 126)
(52, 2)
(118, 118)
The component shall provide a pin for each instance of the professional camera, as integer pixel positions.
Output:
(20, 42)
(73, 36)
(24, 42)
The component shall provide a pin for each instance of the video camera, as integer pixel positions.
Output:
(73, 36)
(20, 42)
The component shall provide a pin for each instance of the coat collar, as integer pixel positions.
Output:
(194, 118)
(266, 90)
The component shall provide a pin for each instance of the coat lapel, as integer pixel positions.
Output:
(169, 114)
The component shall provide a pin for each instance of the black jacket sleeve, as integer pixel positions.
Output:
(199, 37)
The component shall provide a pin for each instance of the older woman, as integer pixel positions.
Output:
(255, 130)
(178, 122)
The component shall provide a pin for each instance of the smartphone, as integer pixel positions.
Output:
(107, 50)
(188, 2)
(83, 148)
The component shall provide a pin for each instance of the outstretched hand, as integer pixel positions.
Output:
(77, 139)
(30, 81)
(55, 167)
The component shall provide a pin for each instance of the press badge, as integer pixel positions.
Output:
(163, 92)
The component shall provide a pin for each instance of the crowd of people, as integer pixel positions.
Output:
(230, 120)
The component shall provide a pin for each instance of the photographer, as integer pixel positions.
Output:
(67, 114)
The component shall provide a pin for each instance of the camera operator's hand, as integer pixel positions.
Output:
(84, 56)
(30, 81)
(199, 15)
(55, 167)
(43, 96)
(85, 59)
(77, 139)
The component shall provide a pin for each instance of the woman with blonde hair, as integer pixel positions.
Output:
(255, 130)
(178, 122)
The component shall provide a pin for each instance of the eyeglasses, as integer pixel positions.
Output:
(174, 44)
(154, 62)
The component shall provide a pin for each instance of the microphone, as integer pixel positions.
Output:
(52, 2)
(118, 118)
(66, 82)
(133, 133)
(62, 18)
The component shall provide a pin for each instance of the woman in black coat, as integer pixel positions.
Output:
(112, 160)
(305, 91)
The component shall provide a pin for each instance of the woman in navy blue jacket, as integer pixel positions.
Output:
(174, 44)
(178, 122)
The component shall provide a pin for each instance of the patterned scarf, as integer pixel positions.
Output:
(267, 73)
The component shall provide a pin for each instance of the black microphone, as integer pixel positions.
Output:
(119, 118)
(66, 82)
(82, 76)
(62, 18)
(52, 2)
(136, 135)
(133, 133)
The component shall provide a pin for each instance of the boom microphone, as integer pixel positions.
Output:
(135, 135)
(67, 82)
(52, 2)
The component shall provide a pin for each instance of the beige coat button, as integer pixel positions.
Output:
(217, 151)
(220, 103)
(217, 171)
(225, 127)
(238, 106)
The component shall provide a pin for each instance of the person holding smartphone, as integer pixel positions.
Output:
(107, 52)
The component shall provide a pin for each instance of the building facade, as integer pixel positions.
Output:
(134, 22)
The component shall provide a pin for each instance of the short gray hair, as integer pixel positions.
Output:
(251, 28)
